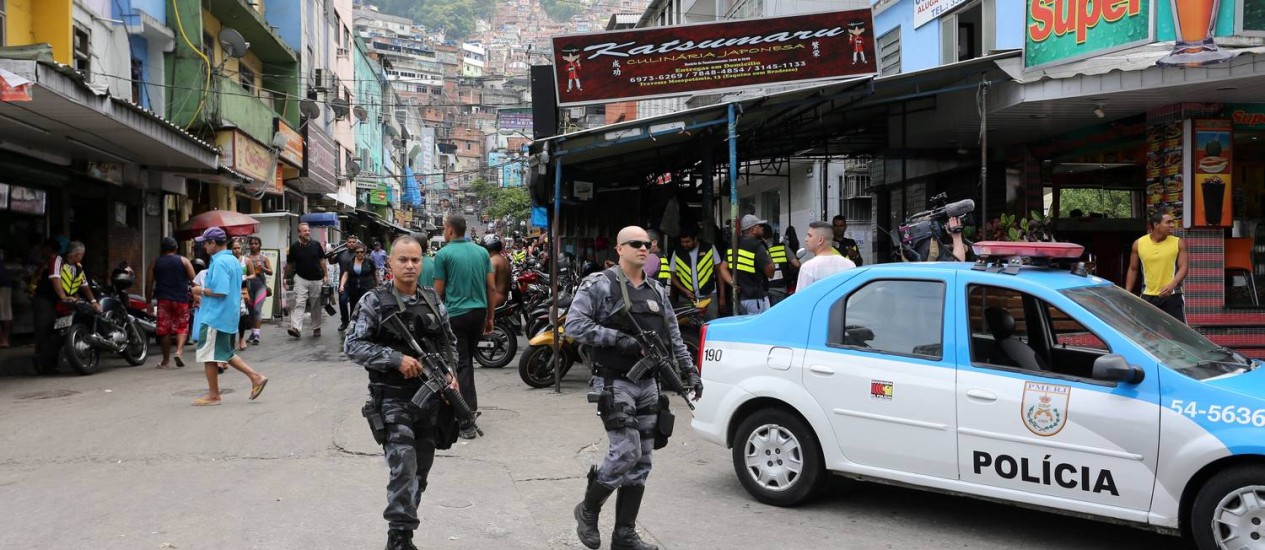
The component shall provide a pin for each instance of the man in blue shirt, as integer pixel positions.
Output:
(218, 317)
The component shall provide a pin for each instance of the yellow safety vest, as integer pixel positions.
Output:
(518, 255)
(665, 270)
(706, 266)
(746, 260)
(71, 279)
(777, 253)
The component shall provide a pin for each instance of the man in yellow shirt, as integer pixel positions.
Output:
(1162, 259)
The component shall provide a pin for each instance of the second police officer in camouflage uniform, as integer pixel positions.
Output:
(408, 434)
(630, 419)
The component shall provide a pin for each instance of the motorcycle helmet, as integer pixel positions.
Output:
(122, 280)
(492, 242)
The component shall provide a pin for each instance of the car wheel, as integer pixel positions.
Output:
(777, 458)
(1229, 511)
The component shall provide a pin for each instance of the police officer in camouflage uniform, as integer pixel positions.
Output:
(408, 434)
(630, 420)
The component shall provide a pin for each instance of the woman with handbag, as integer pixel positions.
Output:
(359, 276)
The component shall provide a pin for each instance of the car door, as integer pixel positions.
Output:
(882, 370)
(1054, 432)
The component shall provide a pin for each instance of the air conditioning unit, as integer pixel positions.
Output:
(341, 52)
(320, 80)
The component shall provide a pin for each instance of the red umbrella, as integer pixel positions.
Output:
(233, 223)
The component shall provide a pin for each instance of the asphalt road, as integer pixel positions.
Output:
(121, 460)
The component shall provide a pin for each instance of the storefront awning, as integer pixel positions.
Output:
(67, 119)
(845, 118)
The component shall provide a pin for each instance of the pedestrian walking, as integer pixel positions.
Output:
(825, 261)
(169, 279)
(752, 267)
(259, 290)
(359, 275)
(220, 318)
(379, 257)
(244, 318)
(464, 279)
(409, 433)
(629, 408)
(305, 265)
(1162, 259)
(696, 266)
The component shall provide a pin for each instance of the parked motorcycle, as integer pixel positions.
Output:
(84, 331)
(497, 348)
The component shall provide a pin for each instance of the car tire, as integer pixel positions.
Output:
(789, 469)
(1221, 494)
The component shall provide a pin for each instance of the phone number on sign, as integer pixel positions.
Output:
(1228, 414)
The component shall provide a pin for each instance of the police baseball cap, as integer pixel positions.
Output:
(212, 234)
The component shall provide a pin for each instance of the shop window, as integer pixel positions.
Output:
(889, 52)
(246, 77)
(899, 317)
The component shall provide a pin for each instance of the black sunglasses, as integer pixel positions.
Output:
(638, 244)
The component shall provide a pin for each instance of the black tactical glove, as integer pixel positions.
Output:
(627, 345)
(697, 383)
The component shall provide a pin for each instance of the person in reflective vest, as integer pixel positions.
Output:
(657, 266)
(752, 267)
(63, 281)
(785, 266)
(695, 267)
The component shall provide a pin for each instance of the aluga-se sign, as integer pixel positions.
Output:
(1061, 31)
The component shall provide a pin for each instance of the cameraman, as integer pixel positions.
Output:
(341, 259)
(956, 249)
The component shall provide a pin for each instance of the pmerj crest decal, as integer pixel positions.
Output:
(1045, 407)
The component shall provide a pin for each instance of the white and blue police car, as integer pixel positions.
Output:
(1033, 385)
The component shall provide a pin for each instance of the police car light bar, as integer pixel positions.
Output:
(993, 253)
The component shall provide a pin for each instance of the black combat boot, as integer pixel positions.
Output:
(586, 511)
(627, 505)
(400, 539)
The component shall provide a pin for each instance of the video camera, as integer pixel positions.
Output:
(332, 254)
(912, 239)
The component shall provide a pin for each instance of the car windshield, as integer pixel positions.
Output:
(1174, 344)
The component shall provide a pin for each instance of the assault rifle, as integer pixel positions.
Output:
(437, 374)
(656, 360)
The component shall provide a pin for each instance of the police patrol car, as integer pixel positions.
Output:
(1040, 386)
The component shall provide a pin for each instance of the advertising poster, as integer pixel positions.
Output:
(712, 57)
(274, 260)
(1211, 163)
(1164, 170)
(1061, 31)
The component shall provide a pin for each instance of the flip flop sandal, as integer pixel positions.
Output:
(179, 362)
(257, 389)
(204, 402)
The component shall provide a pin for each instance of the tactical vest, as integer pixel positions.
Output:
(424, 322)
(706, 267)
(647, 307)
(665, 271)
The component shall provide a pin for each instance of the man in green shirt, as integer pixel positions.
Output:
(464, 279)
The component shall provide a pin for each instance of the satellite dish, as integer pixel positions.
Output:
(340, 108)
(360, 112)
(309, 109)
(233, 44)
(353, 168)
(390, 130)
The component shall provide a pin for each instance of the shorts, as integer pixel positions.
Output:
(6, 304)
(173, 317)
(214, 346)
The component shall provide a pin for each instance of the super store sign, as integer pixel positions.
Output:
(1059, 31)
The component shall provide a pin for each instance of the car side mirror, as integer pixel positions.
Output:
(1115, 368)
